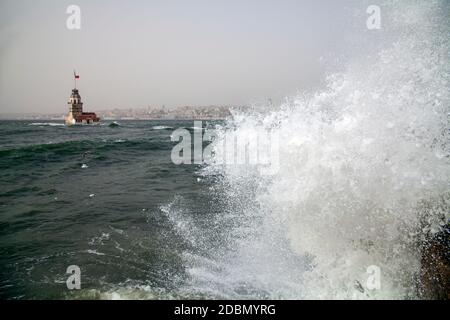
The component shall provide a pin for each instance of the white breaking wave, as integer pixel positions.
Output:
(50, 124)
(359, 161)
(161, 127)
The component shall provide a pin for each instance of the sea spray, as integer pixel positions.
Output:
(357, 161)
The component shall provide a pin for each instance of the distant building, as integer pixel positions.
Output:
(76, 114)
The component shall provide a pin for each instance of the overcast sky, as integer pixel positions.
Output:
(139, 53)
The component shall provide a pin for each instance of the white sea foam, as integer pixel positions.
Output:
(50, 124)
(161, 127)
(95, 252)
(358, 161)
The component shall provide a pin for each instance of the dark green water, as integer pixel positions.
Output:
(91, 196)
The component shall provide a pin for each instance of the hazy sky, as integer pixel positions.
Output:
(140, 53)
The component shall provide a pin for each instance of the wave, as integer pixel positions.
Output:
(363, 177)
(114, 124)
(56, 151)
(49, 124)
(162, 128)
(66, 146)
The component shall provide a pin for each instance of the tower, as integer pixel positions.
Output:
(75, 104)
(76, 114)
(75, 108)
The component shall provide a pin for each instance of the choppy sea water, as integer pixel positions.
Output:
(363, 182)
(92, 196)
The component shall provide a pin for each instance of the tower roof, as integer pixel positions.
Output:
(75, 94)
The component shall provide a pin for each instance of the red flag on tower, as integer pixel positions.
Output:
(77, 76)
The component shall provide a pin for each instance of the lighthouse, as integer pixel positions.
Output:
(76, 115)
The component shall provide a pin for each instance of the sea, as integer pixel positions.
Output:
(362, 181)
(95, 197)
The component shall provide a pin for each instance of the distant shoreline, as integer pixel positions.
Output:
(116, 119)
(158, 114)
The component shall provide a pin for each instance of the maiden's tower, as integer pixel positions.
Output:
(76, 115)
